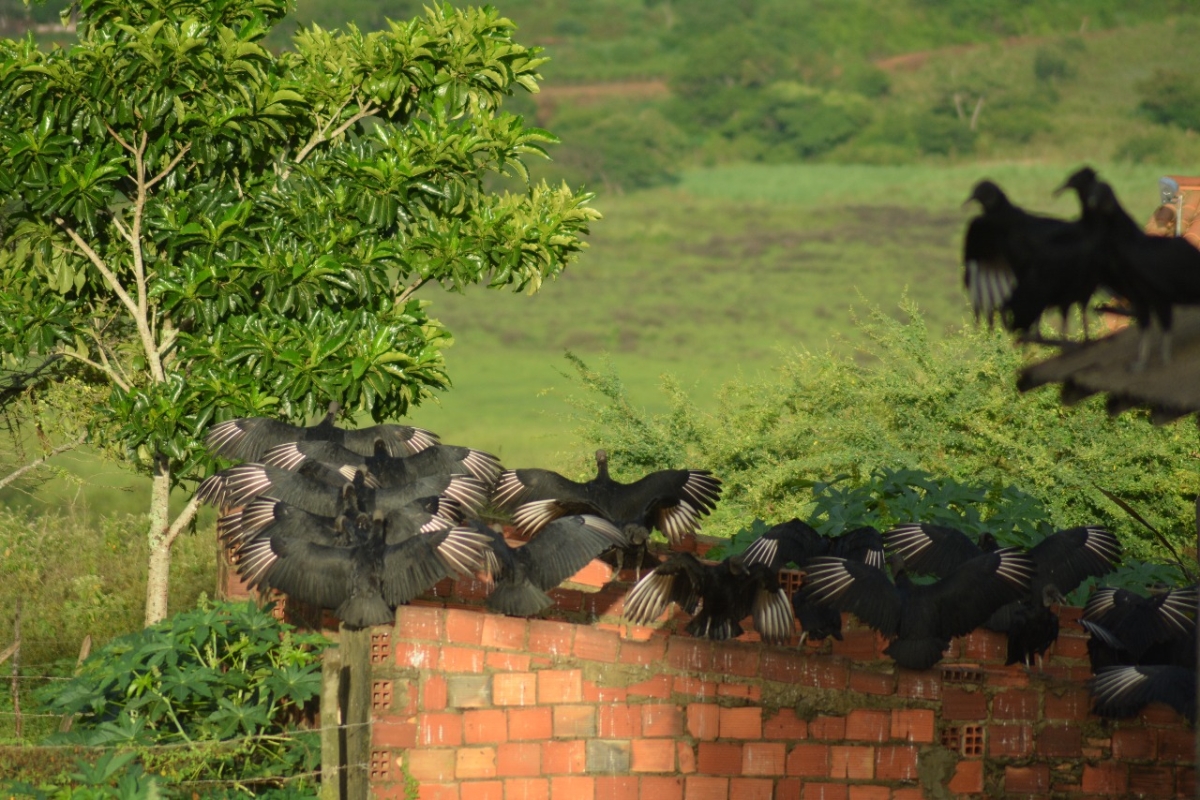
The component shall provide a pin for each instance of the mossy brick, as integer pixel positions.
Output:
(596, 645)
(830, 729)
(463, 627)
(690, 655)
(618, 721)
(1150, 780)
(740, 723)
(608, 757)
(572, 721)
(481, 790)
(564, 758)
(461, 659)
(518, 759)
(694, 688)
(661, 719)
(652, 755)
(438, 729)
(550, 637)
(654, 787)
(868, 682)
(918, 684)
(856, 762)
(868, 725)
(959, 704)
(468, 691)
(742, 691)
(572, 787)
(503, 633)
(514, 689)
(527, 789)
(1015, 704)
(1174, 744)
(1107, 777)
(475, 762)
(736, 659)
(751, 788)
(559, 686)
(651, 651)
(825, 674)
(508, 661)
(530, 724)
(719, 758)
(658, 686)
(430, 764)
(913, 725)
(1010, 741)
(422, 623)
(764, 758)
(1060, 741)
(967, 778)
(485, 726)
(1070, 703)
(785, 725)
(896, 762)
(783, 666)
(1034, 779)
(698, 787)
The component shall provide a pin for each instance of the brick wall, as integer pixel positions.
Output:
(476, 706)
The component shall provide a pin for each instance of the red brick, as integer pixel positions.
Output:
(419, 622)
(1060, 742)
(912, 724)
(690, 655)
(784, 725)
(416, 655)
(1173, 745)
(525, 724)
(823, 674)
(439, 729)
(616, 788)
(657, 788)
(734, 659)
(1010, 741)
(508, 662)
(1160, 714)
(870, 793)
(1134, 744)
(482, 790)
(751, 788)
(741, 723)
(618, 722)
(896, 763)
(808, 760)
(395, 732)
(652, 755)
(485, 727)
(696, 688)
(461, 659)
(574, 722)
(475, 762)
(559, 686)
(1027, 780)
(527, 789)
(549, 637)
(856, 645)
(696, 788)
(603, 694)
(764, 758)
(434, 693)
(742, 691)
(853, 762)
(787, 789)
(1001, 677)
(985, 645)
(832, 729)
(826, 791)
(719, 758)
(1015, 704)
(514, 689)
(866, 682)
(596, 645)
(652, 651)
(1185, 780)
(1068, 646)
(1151, 781)
(464, 627)
(430, 765)
(865, 725)
(686, 756)
(1104, 778)
(505, 633)
(918, 685)
(572, 788)
(968, 778)
(564, 758)
(438, 791)
(784, 666)
(703, 720)
(660, 719)
(518, 760)
(958, 704)
(659, 686)
(915, 793)
(1072, 705)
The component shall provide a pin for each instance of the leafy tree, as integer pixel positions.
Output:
(1171, 97)
(218, 231)
(618, 147)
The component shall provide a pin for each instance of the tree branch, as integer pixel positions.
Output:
(407, 293)
(182, 521)
(125, 234)
(107, 370)
(32, 465)
(174, 163)
(98, 262)
(115, 364)
(120, 141)
(323, 135)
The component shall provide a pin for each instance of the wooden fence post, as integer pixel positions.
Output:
(84, 650)
(333, 755)
(356, 690)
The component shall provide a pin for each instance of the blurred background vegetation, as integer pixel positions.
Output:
(769, 171)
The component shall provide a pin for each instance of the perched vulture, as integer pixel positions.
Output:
(384, 471)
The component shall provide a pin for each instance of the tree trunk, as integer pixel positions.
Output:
(158, 573)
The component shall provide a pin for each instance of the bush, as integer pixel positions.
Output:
(1052, 64)
(619, 148)
(950, 409)
(1156, 147)
(942, 134)
(1172, 98)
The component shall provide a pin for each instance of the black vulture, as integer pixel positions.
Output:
(522, 575)
(1124, 691)
(1129, 629)
(797, 542)
(921, 619)
(249, 438)
(383, 470)
(1032, 626)
(671, 500)
(351, 568)
(718, 596)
